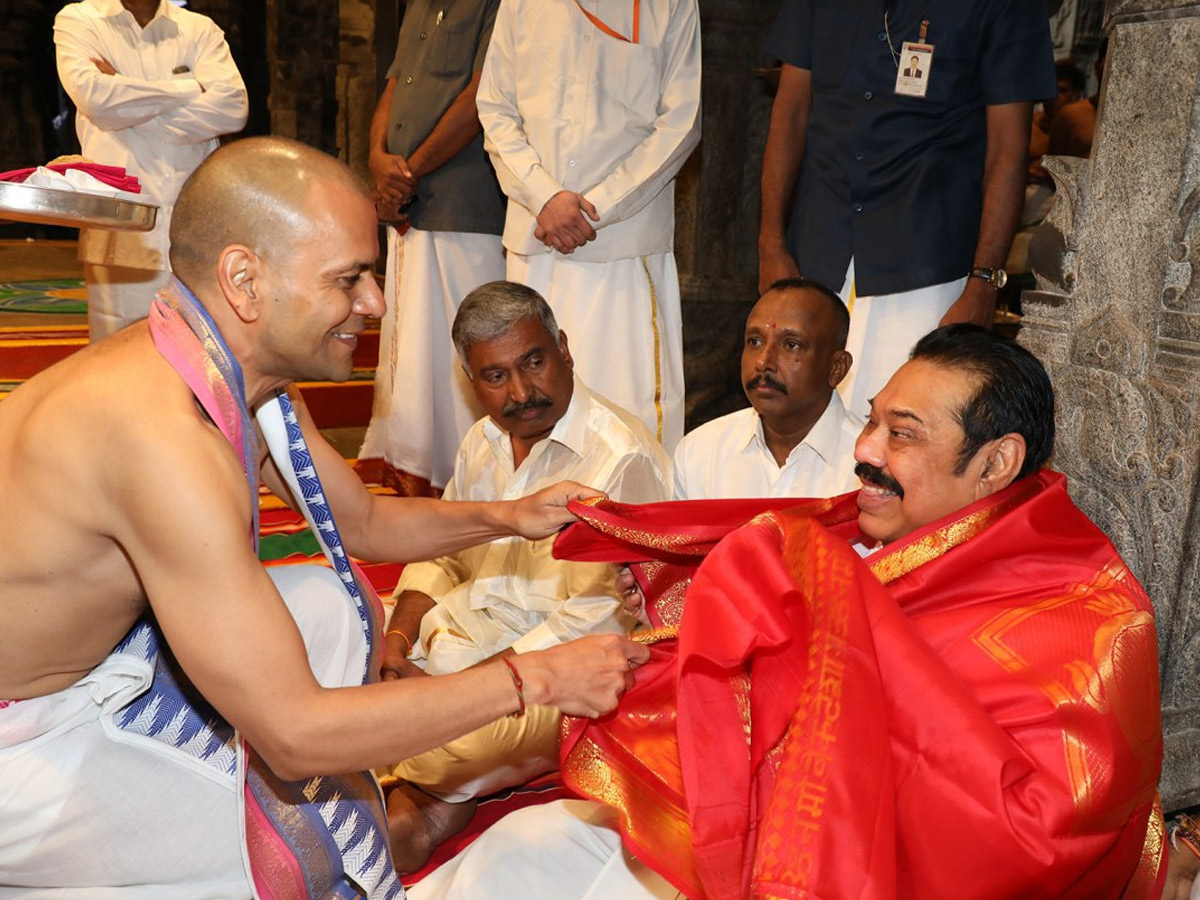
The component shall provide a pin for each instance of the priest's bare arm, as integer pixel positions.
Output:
(120, 494)
(408, 529)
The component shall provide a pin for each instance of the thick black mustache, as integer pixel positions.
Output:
(539, 402)
(870, 474)
(765, 378)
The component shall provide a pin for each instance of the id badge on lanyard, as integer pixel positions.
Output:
(914, 61)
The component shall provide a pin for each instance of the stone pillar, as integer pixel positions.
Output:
(302, 52)
(717, 204)
(1116, 318)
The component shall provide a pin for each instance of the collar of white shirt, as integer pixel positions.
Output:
(570, 431)
(822, 438)
(111, 8)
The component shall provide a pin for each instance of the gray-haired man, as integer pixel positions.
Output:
(542, 425)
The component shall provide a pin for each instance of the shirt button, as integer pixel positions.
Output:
(881, 36)
(571, 163)
(423, 35)
(858, 154)
(858, 207)
(408, 80)
(867, 95)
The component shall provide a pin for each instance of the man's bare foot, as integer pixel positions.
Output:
(418, 823)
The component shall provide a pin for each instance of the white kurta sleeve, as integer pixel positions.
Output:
(518, 166)
(222, 108)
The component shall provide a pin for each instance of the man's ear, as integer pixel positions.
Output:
(842, 360)
(562, 346)
(1002, 462)
(237, 268)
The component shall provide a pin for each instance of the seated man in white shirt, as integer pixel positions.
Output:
(796, 439)
(511, 596)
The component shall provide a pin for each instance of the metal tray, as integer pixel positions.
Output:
(24, 203)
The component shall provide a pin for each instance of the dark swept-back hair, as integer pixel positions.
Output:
(841, 315)
(1014, 393)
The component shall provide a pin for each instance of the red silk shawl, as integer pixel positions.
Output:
(970, 711)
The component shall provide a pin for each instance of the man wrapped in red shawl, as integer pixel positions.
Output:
(945, 685)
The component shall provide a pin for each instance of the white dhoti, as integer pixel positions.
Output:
(423, 401)
(883, 329)
(92, 811)
(567, 850)
(118, 296)
(624, 326)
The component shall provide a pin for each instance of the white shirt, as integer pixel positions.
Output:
(728, 457)
(566, 106)
(512, 592)
(152, 117)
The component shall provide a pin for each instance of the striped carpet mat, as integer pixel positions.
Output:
(26, 350)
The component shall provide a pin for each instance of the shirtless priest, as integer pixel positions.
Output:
(172, 714)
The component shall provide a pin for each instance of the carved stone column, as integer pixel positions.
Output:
(717, 202)
(1116, 318)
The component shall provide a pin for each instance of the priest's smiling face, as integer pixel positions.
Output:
(320, 292)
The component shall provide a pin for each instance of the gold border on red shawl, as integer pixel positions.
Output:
(888, 565)
(668, 606)
(670, 543)
(651, 636)
(1105, 595)
(648, 820)
(1146, 881)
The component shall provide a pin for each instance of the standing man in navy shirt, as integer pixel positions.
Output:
(903, 190)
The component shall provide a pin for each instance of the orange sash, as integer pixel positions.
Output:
(637, 13)
(971, 711)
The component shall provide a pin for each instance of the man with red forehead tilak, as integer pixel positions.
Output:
(943, 684)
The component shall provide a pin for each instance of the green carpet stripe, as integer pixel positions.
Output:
(280, 546)
(51, 295)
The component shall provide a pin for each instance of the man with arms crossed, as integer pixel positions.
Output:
(974, 703)
(511, 596)
(796, 439)
(155, 86)
(274, 245)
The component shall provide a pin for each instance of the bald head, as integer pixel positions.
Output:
(253, 192)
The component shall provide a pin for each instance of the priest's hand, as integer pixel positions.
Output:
(542, 514)
(584, 677)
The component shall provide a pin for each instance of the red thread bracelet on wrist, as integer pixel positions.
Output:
(519, 685)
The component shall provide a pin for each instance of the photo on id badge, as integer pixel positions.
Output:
(912, 73)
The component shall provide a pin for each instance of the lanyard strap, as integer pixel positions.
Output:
(637, 8)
